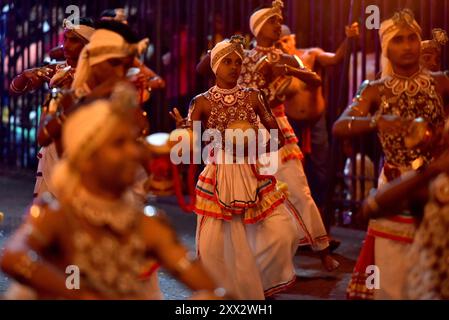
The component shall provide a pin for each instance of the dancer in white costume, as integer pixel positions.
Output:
(96, 224)
(265, 25)
(246, 234)
(58, 76)
(389, 105)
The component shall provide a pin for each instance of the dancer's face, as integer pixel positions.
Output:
(271, 29)
(116, 161)
(229, 68)
(431, 59)
(405, 48)
(72, 46)
(287, 44)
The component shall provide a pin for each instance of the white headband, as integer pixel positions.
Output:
(104, 45)
(258, 18)
(222, 49)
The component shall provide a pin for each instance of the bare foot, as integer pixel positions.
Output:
(329, 263)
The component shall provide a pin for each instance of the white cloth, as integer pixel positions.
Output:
(104, 45)
(390, 256)
(292, 173)
(249, 259)
(87, 128)
(230, 189)
(258, 18)
(47, 162)
(221, 50)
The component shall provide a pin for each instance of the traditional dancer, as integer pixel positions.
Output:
(96, 227)
(58, 74)
(389, 105)
(60, 77)
(308, 106)
(265, 25)
(246, 234)
(102, 63)
(154, 81)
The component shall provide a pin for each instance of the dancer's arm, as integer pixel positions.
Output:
(196, 113)
(266, 117)
(361, 117)
(289, 66)
(29, 80)
(326, 59)
(23, 259)
(163, 242)
(152, 78)
(401, 193)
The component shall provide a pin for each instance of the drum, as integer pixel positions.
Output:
(160, 181)
(243, 136)
(419, 134)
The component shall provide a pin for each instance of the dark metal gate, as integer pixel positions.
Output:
(28, 29)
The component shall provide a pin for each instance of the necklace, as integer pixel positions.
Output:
(119, 215)
(265, 49)
(420, 81)
(226, 96)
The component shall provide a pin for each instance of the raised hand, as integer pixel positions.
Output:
(37, 75)
(179, 120)
(352, 31)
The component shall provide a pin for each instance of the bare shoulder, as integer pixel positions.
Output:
(372, 87)
(368, 95)
(200, 99)
(255, 96)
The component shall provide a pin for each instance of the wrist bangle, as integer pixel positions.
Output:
(184, 263)
(350, 123)
(373, 122)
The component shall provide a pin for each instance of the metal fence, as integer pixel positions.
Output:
(29, 29)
